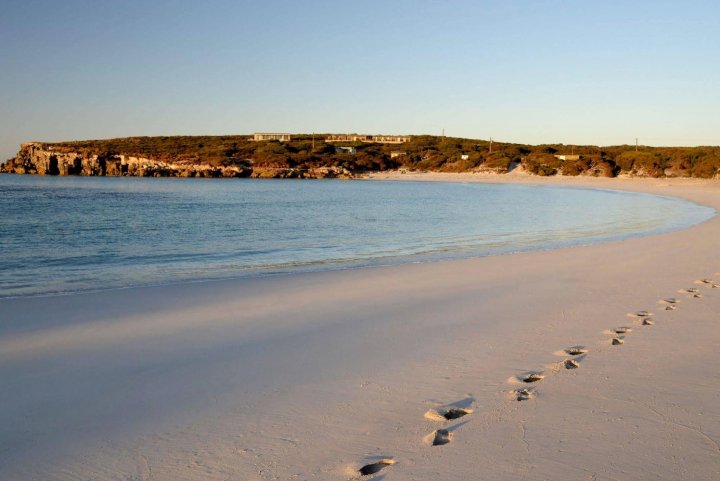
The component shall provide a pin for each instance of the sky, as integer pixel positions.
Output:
(534, 71)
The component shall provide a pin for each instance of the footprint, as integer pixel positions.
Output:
(689, 290)
(704, 281)
(524, 394)
(456, 413)
(647, 321)
(697, 296)
(575, 350)
(616, 341)
(373, 468)
(622, 330)
(643, 313)
(670, 307)
(571, 364)
(447, 414)
(532, 377)
(670, 300)
(441, 437)
(450, 411)
(714, 286)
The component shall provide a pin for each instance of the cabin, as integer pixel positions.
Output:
(567, 156)
(260, 137)
(345, 150)
(377, 139)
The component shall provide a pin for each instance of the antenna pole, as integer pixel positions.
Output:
(491, 145)
(636, 144)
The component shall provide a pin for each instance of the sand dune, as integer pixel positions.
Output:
(327, 376)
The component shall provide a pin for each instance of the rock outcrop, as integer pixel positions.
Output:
(42, 159)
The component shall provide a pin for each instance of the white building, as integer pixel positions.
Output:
(259, 137)
(567, 156)
(345, 150)
(379, 139)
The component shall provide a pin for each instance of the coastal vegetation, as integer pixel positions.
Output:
(241, 156)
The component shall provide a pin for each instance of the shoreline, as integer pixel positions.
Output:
(314, 375)
(515, 177)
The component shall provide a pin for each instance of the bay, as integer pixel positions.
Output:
(69, 234)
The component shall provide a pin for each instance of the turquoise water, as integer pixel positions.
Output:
(65, 234)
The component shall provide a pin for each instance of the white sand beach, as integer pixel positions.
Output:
(311, 376)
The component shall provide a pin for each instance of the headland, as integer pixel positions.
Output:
(284, 155)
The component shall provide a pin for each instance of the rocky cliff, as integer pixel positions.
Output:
(42, 159)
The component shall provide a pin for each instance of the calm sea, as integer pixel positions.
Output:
(65, 234)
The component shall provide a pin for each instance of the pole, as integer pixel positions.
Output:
(491, 145)
(636, 144)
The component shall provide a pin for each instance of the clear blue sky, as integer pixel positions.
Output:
(601, 72)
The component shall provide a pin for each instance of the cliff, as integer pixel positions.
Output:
(43, 159)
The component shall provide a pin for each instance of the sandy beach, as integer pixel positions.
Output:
(313, 376)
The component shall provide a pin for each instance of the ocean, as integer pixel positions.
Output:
(70, 234)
